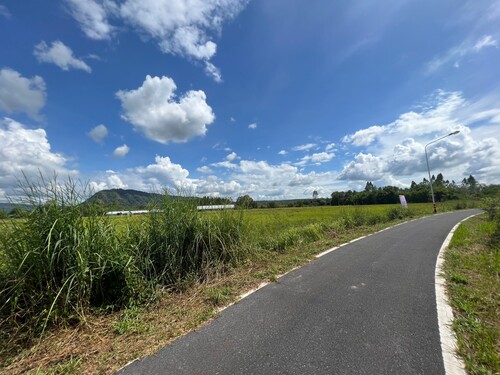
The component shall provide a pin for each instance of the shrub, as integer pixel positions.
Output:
(491, 206)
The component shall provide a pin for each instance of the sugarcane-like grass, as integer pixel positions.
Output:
(66, 259)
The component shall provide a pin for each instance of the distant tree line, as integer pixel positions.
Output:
(417, 192)
(210, 201)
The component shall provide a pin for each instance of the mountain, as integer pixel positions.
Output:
(124, 199)
(7, 207)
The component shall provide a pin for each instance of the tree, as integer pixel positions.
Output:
(272, 204)
(370, 187)
(439, 179)
(337, 198)
(315, 195)
(246, 201)
(471, 181)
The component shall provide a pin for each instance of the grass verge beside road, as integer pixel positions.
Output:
(472, 271)
(101, 337)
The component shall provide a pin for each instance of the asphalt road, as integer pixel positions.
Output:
(366, 308)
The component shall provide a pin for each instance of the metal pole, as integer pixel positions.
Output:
(430, 180)
(428, 168)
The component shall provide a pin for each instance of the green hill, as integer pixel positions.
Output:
(124, 199)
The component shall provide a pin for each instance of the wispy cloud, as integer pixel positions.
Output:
(457, 53)
(305, 147)
(486, 41)
(252, 126)
(4, 12)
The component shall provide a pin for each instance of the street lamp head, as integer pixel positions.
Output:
(455, 132)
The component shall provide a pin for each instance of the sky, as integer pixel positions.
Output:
(271, 98)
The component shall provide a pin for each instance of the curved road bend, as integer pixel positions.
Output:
(366, 308)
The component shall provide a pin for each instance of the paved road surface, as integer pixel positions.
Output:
(366, 308)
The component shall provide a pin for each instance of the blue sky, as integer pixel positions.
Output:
(274, 99)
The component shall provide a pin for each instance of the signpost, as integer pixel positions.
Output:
(402, 199)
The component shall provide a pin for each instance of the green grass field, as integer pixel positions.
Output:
(62, 268)
(274, 220)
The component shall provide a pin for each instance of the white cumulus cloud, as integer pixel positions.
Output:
(21, 94)
(364, 167)
(435, 115)
(231, 156)
(28, 151)
(154, 110)
(93, 17)
(396, 150)
(121, 151)
(164, 171)
(260, 179)
(205, 169)
(316, 158)
(59, 54)
(252, 126)
(330, 146)
(99, 133)
(364, 137)
(179, 27)
(213, 186)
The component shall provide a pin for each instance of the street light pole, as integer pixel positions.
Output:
(429, 170)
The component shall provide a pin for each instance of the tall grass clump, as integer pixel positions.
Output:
(60, 260)
(398, 213)
(178, 242)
